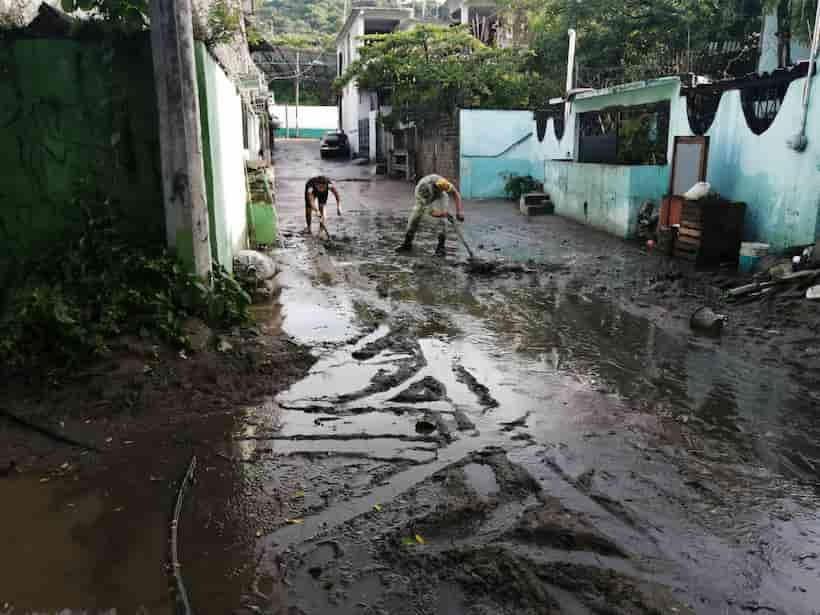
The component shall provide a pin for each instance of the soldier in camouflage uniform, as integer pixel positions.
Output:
(432, 194)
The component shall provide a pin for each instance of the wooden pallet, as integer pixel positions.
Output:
(709, 232)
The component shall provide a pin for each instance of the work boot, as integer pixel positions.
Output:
(440, 251)
(407, 246)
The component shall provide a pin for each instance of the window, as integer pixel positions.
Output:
(634, 135)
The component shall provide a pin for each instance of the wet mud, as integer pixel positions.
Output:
(548, 438)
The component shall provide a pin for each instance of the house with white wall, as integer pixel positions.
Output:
(602, 153)
(358, 108)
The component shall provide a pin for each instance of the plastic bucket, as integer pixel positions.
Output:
(750, 255)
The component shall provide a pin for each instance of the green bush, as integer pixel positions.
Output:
(70, 303)
(516, 185)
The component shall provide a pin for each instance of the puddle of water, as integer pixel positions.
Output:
(481, 479)
(335, 374)
(66, 547)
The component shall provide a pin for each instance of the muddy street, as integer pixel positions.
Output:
(539, 440)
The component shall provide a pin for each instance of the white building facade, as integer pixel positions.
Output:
(358, 109)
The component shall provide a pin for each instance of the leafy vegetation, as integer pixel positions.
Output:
(301, 16)
(431, 71)
(129, 14)
(624, 33)
(72, 302)
(516, 185)
(224, 21)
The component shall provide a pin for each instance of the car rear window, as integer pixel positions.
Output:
(332, 139)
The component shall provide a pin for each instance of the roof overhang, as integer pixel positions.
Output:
(585, 94)
(372, 13)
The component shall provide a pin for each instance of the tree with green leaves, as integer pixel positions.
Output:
(301, 16)
(129, 14)
(431, 71)
(625, 33)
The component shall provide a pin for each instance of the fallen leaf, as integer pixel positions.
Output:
(109, 440)
(407, 541)
(295, 521)
(420, 540)
(65, 466)
(377, 507)
(45, 479)
(299, 494)
(259, 533)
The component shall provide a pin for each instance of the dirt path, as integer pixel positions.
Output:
(553, 440)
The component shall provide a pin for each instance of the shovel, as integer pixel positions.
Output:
(461, 236)
(322, 227)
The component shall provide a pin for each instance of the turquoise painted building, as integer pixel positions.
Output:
(780, 186)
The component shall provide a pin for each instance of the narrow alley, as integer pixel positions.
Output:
(533, 441)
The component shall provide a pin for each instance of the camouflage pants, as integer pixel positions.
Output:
(423, 208)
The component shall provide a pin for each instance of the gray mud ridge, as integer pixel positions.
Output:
(479, 537)
(472, 383)
(428, 389)
(384, 380)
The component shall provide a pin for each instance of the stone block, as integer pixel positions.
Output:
(536, 204)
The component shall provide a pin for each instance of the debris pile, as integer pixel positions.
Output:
(791, 277)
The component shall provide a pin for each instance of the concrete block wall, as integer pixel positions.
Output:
(437, 151)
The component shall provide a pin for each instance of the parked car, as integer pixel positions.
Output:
(335, 143)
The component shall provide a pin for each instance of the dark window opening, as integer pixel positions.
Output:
(634, 135)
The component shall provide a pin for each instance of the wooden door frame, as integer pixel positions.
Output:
(704, 159)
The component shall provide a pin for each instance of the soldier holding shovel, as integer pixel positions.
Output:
(431, 198)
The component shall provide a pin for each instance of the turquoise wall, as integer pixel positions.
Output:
(304, 133)
(494, 144)
(613, 194)
(76, 116)
(781, 187)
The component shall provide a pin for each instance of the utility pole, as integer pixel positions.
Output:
(298, 79)
(183, 176)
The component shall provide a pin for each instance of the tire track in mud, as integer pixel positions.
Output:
(414, 399)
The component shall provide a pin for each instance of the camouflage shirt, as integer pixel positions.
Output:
(431, 187)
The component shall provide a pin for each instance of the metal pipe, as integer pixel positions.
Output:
(799, 141)
(570, 72)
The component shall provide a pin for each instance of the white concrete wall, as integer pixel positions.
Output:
(313, 119)
(221, 107)
(348, 46)
(254, 141)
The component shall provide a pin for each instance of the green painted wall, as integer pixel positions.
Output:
(72, 114)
